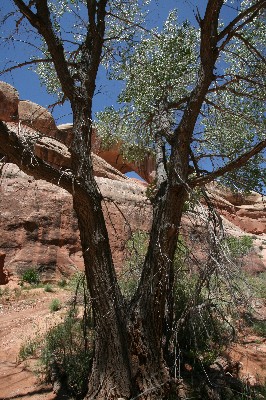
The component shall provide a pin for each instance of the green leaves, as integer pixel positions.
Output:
(162, 67)
(235, 119)
(159, 72)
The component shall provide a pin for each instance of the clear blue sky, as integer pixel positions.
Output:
(27, 82)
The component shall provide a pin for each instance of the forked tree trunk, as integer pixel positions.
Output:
(128, 359)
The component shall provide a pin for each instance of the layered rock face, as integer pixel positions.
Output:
(39, 227)
(37, 221)
(9, 100)
(248, 212)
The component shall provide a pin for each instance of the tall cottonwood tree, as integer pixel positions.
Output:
(130, 359)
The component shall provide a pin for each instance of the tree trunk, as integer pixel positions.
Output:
(107, 303)
(129, 358)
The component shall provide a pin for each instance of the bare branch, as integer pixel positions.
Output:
(238, 28)
(231, 26)
(42, 22)
(231, 166)
(26, 11)
(250, 47)
(25, 63)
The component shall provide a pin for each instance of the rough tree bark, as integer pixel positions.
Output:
(130, 339)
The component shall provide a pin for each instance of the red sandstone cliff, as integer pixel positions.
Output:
(37, 222)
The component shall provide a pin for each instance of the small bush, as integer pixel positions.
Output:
(55, 305)
(62, 283)
(48, 288)
(31, 276)
(259, 328)
(27, 350)
(257, 283)
(239, 247)
(66, 353)
(67, 349)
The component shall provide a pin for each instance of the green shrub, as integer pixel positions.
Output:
(239, 247)
(62, 283)
(48, 288)
(257, 392)
(67, 349)
(257, 283)
(27, 349)
(259, 328)
(77, 282)
(55, 305)
(202, 329)
(30, 276)
(66, 353)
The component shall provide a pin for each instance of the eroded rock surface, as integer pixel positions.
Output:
(53, 147)
(248, 212)
(36, 117)
(39, 227)
(37, 222)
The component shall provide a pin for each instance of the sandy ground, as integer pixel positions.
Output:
(25, 314)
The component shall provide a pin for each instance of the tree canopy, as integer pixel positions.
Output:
(159, 69)
(159, 75)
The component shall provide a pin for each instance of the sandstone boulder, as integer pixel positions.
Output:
(248, 212)
(37, 117)
(102, 169)
(9, 100)
(65, 134)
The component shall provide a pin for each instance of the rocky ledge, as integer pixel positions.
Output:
(37, 221)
